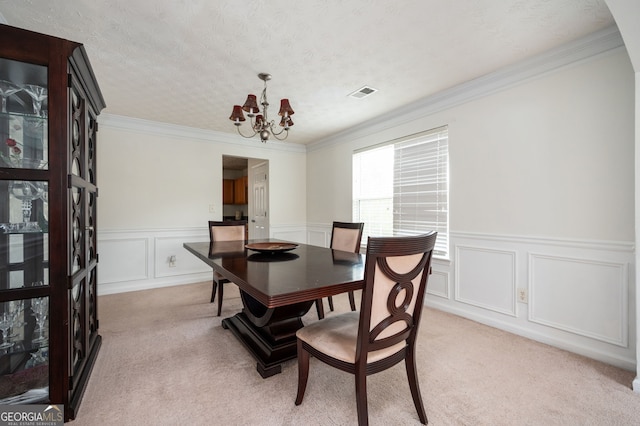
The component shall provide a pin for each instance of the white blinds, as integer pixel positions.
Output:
(420, 187)
(402, 188)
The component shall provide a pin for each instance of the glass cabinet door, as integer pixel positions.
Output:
(24, 242)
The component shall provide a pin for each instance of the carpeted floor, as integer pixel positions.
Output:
(165, 360)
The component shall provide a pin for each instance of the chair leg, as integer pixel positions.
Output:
(412, 375)
(303, 372)
(352, 301)
(330, 302)
(320, 308)
(361, 397)
(220, 295)
(213, 291)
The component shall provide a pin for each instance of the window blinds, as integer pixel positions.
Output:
(402, 188)
(421, 188)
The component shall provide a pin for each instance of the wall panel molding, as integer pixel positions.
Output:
(438, 282)
(293, 233)
(578, 293)
(609, 246)
(486, 278)
(594, 285)
(592, 314)
(124, 259)
(132, 260)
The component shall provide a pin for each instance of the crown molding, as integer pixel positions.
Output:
(571, 53)
(149, 127)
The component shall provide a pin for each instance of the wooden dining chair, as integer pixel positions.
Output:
(228, 230)
(384, 332)
(345, 236)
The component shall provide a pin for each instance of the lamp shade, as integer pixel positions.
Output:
(286, 122)
(259, 120)
(251, 105)
(285, 108)
(236, 115)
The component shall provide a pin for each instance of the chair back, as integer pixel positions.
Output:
(228, 230)
(346, 236)
(396, 275)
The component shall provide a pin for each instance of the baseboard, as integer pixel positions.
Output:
(124, 287)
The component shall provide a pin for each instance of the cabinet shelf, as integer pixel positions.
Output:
(21, 228)
(17, 114)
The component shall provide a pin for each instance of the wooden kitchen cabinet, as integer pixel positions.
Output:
(228, 187)
(240, 195)
(234, 191)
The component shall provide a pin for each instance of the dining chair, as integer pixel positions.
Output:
(345, 236)
(384, 332)
(228, 230)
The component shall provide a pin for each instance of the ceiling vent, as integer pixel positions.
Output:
(363, 92)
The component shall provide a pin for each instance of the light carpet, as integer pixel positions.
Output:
(166, 360)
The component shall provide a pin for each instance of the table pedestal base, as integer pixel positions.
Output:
(269, 334)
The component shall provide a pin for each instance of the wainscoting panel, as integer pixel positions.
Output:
(594, 286)
(576, 295)
(183, 263)
(132, 260)
(438, 282)
(486, 278)
(123, 259)
(317, 238)
(141, 259)
(319, 234)
(293, 234)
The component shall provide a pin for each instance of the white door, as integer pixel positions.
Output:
(259, 206)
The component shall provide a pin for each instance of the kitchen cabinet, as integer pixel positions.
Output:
(234, 191)
(240, 190)
(48, 218)
(228, 187)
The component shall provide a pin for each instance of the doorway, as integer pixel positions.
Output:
(246, 193)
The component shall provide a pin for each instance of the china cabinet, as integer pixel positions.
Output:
(48, 195)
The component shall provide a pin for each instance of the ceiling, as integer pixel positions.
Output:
(187, 62)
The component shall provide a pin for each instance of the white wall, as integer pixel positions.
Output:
(157, 183)
(541, 200)
(551, 157)
(547, 157)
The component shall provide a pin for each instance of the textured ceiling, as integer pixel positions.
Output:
(188, 62)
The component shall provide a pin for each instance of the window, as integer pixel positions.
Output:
(402, 188)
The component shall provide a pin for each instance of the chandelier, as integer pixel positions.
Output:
(260, 124)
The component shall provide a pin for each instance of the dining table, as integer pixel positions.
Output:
(279, 282)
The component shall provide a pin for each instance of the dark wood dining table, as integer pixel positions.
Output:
(277, 289)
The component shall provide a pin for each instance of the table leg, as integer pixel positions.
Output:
(269, 334)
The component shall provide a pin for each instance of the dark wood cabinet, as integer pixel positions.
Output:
(48, 220)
